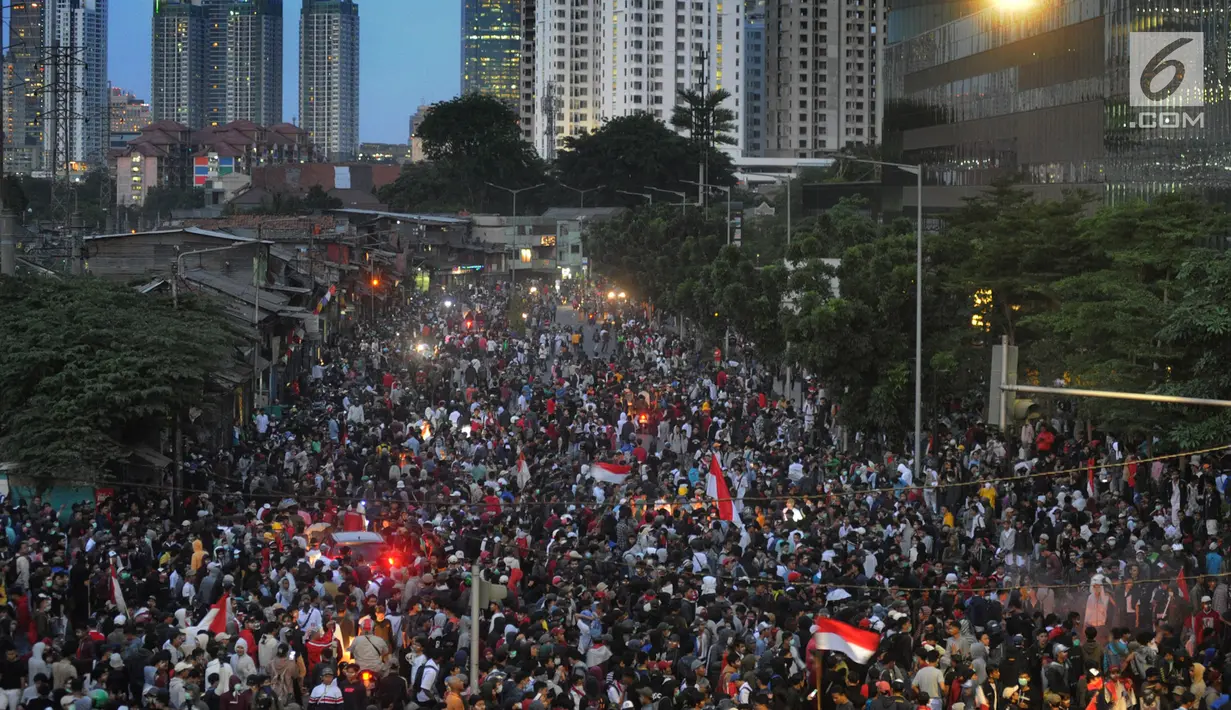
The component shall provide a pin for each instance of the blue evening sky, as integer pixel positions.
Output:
(409, 53)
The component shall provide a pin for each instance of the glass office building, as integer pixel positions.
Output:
(491, 49)
(1041, 91)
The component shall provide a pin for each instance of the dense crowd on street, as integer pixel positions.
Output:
(560, 443)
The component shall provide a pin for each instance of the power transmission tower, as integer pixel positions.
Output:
(65, 67)
(552, 103)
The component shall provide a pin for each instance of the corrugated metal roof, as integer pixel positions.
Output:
(190, 230)
(151, 286)
(238, 290)
(432, 218)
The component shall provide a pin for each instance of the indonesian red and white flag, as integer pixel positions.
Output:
(858, 645)
(220, 613)
(610, 472)
(117, 594)
(523, 472)
(717, 490)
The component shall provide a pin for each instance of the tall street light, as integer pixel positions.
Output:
(646, 195)
(682, 195)
(725, 189)
(514, 193)
(917, 171)
(581, 192)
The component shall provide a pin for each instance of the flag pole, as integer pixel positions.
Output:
(820, 670)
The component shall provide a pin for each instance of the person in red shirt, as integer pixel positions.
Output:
(352, 521)
(640, 453)
(1205, 624)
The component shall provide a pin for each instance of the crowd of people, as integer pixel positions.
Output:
(558, 443)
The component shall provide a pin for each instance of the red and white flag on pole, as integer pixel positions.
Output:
(717, 490)
(858, 645)
(523, 472)
(610, 472)
(221, 613)
(117, 594)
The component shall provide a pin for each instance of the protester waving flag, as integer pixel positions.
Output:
(855, 643)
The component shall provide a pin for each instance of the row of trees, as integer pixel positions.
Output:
(474, 144)
(1129, 297)
(89, 370)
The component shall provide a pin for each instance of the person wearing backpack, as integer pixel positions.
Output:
(425, 681)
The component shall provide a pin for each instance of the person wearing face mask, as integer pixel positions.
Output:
(1023, 696)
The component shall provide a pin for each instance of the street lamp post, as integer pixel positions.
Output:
(682, 195)
(514, 193)
(646, 195)
(582, 192)
(917, 171)
(725, 189)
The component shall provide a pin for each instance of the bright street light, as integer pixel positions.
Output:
(623, 295)
(611, 295)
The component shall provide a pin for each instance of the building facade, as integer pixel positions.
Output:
(415, 142)
(1044, 96)
(492, 49)
(178, 61)
(254, 62)
(23, 72)
(822, 64)
(329, 76)
(567, 66)
(75, 32)
(754, 78)
(529, 39)
(654, 49)
(129, 115)
(217, 30)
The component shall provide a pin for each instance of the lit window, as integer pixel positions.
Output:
(526, 256)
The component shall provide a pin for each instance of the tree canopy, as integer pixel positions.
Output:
(474, 143)
(1129, 297)
(616, 157)
(90, 369)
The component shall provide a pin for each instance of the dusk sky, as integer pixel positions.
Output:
(409, 53)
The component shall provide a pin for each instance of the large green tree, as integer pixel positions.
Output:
(89, 369)
(472, 142)
(653, 250)
(1102, 327)
(633, 153)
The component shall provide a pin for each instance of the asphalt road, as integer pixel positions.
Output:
(568, 318)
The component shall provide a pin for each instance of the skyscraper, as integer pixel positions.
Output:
(529, 38)
(568, 74)
(23, 72)
(75, 99)
(217, 14)
(329, 76)
(821, 66)
(254, 62)
(754, 78)
(492, 49)
(651, 51)
(178, 61)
